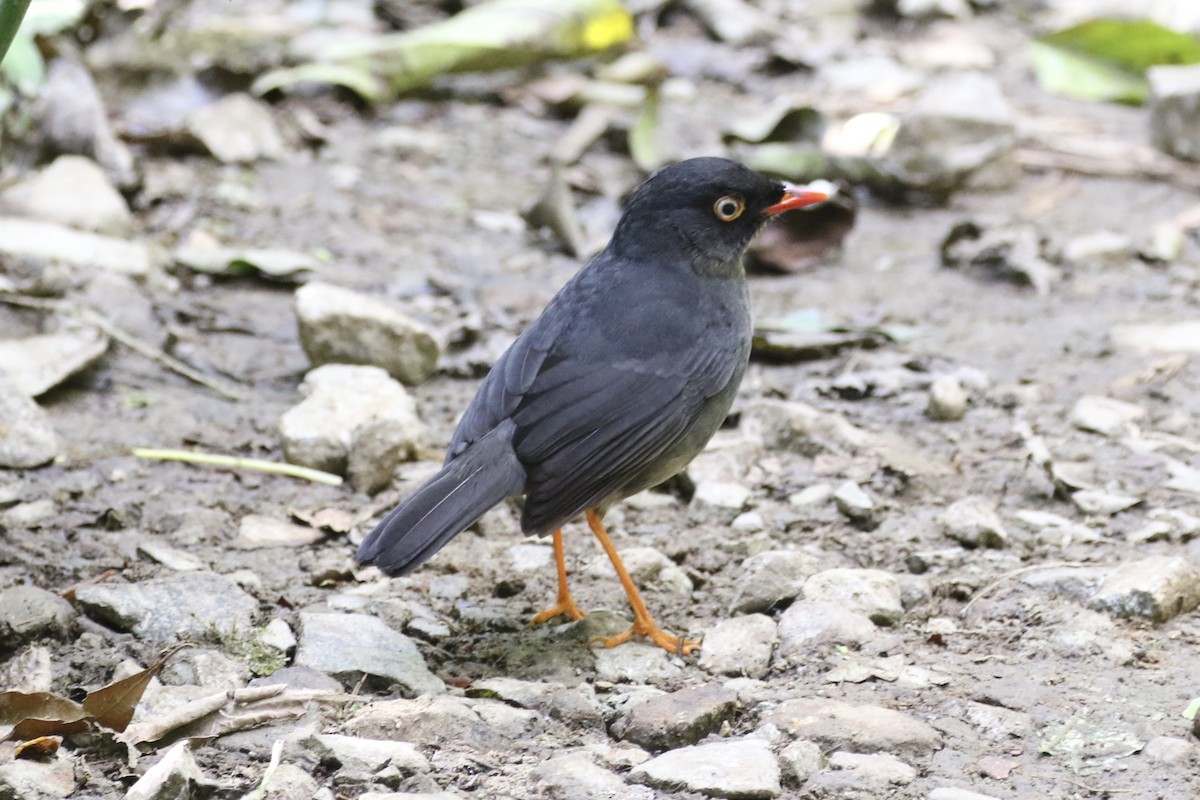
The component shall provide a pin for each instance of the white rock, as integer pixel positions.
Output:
(527, 557)
(443, 721)
(371, 755)
(176, 774)
(649, 569)
(26, 438)
(739, 646)
(1169, 750)
(834, 724)
(1156, 588)
(744, 768)
(949, 793)
(723, 500)
(1100, 246)
(771, 577)
(39, 363)
(575, 776)
(74, 191)
(347, 646)
(237, 129)
(257, 531)
(872, 592)
(1104, 415)
(853, 501)
(947, 399)
(635, 661)
(974, 522)
(750, 521)
(1182, 337)
(47, 242)
(354, 421)
(876, 771)
(1101, 503)
(340, 326)
(808, 625)
(811, 495)
(278, 635)
(803, 758)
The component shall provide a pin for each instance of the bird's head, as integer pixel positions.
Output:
(704, 210)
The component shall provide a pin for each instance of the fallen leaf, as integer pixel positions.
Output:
(35, 714)
(37, 749)
(113, 705)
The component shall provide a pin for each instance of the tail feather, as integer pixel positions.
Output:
(445, 505)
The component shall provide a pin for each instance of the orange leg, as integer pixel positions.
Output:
(643, 623)
(566, 604)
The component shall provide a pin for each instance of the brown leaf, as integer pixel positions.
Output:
(113, 705)
(35, 714)
(37, 749)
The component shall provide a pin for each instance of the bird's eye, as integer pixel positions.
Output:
(729, 208)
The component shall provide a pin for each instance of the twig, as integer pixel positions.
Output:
(91, 317)
(1009, 575)
(261, 791)
(214, 459)
(1137, 163)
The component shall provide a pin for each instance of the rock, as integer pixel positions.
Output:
(28, 515)
(813, 495)
(947, 399)
(369, 755)
(922, 9)
(26, 438)
(1169, 750)
(171, 608)
(570, 704)
(947, 793)
(1175, 110)
(170, 557)
(237, 129)
(1097, 502)
(869, 591)
(734, 768)
(1098, 247)
(74, 120)
(277, 634)
(125, 304)
(46, 242)
(354, 421)
(1181, 337)
(24, 779)
(290, 782)
(807, 625)
(677, 718)
(530, 557)
(733, 21)
(998, 722)
(28, 613)
(39, 363)
(576, 777)
(960, 133)
(1156, 588)
(401, 796)
(973, 522)
(1104, 415)
(636, 662)
(444, 721)
(739, 646)
(174, 775)
(257, 531)
(860, 775)
(857, 505)
(749, 522)
(73, 191)
(834, 724)
(349, 646)
(772, 577)
(803, 758)
(340, 326)
(720, 500)
(1019, 253)
(649, 568)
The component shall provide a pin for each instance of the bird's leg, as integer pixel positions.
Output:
(643, 623)
(566, 604)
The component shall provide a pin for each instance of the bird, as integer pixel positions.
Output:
(622, 380)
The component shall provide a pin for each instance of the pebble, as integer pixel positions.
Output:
(341, 326)
(853, 501)
(29, 514)
(1170, 337)
(813, 495)
(720, 500)
(530, 557)
(749, 522)
(649, 568)
(1097, 502)
(576, 704)
(174, 775)
(973, 521)
(170, 557)
(237, 129)
(948, 793)
(47, 242)
(30, 613)
(354, 421)
(349, 646)
(636, 662)
(734, 768)
(1156, 588)
(772, 577)
(576, 777)
(808, 625)
(257, 531)
(357, 754)
(947, 400)
(25, 779)
(678, 718)
(803, 758)
(73, 191)
(26, 438)
(1169, 750)
(739, 646)
(1098, 247)
(171, 608)
(1104, 415)
(278, 634)
(872, 592)
(1175, 110)
(834, 724)
(443, 720)
(859, 775)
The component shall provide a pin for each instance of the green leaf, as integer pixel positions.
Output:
(643, 135)
(23, 67)
(1107, 59)
(357, 79)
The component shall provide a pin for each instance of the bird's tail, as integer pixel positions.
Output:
(445, 505)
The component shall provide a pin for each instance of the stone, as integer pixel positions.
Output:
(73, 191)
(854, 502)
(1150, 337)
(803, 758)
(576, 704)
(341, 326)
(25, 779)
(530, 557)
(29, 613)
(813, 495)
(808, 625)
(720, 500)
(948, 793)
(26, 438)
(277, 634)
(677, 718)
(576, 777)
(860, 775)
(171, 608)
(1169, 750)
(1155, 588)
(869, 591)
(772, 577)
(256, 531)
(959, 133)
(39, 363)
(749, 522)
(649, 568)
(739, 646)
(834, 724)
(290, 782)
(635, 662)
(170, 557)
(74, 119)
(1098, 247)
(1175, 110)
(998, 722)
(46, 243)
(734, 21)
(947, 400)
(1104, 415)
(442, 720)
(349, 646)
(400, 796)
(973, 522)
(1097, 502)
(733, 768)
(237, 129)
(369, 755)
(354, 421)
(174, 775)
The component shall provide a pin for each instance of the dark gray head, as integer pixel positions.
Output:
(704, 210)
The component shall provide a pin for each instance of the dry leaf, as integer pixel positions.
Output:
(39, 748)
(113, 705)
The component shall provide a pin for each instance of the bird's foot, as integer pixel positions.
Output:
(649, 628)
(565, 607)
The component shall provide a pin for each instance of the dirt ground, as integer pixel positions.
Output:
(405, 226)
